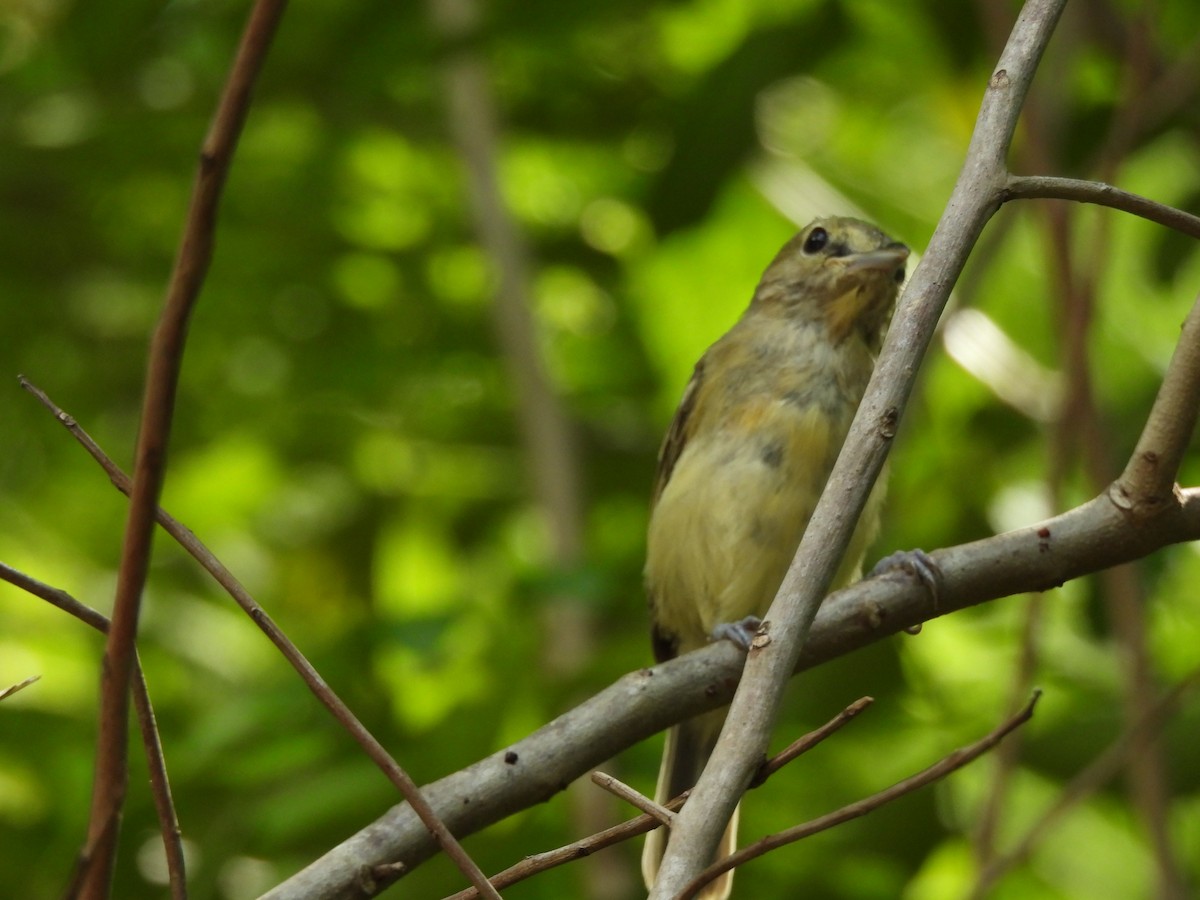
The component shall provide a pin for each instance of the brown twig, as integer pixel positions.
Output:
(548, 442)
(160, 786)
(1008, 753)
(806, 742)
(1099, 772)
(1047, 187)
(341, 712)
(937, 771)
(1081, 432)
(166, 357)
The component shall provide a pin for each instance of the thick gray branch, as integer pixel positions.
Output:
(1149, 477)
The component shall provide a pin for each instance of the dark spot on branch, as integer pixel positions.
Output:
(1043, 534)
(510, 757)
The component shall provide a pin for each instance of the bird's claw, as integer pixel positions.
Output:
(916, 563)
(740, 633)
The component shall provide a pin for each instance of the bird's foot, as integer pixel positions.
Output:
(740, 633)
(917, 564)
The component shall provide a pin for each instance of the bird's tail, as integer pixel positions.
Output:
(687, 750)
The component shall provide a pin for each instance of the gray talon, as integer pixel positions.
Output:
(740, 633)
(917, 563)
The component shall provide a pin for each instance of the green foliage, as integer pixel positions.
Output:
(346, 435)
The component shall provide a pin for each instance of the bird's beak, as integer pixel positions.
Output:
(888, 259)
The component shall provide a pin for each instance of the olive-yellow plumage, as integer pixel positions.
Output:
(748, 454)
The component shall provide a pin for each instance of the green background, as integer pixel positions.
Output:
(345, 438)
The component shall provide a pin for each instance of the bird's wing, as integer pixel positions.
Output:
(665, 643)
(678, 433)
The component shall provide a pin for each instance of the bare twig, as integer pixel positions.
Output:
(166, 357)
(1148, 478)
(1081, 433)
(975, 197)
(1099, 772)
(282, 642)
(1008, 753)
(545, 430)
(160, 786)
(19, 686)
(549, 447)
(1046, 187)
(806, 742)
(937, 771)
(634, 798)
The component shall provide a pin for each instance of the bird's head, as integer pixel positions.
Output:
(843, 271)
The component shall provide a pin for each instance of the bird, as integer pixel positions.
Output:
(746, 458)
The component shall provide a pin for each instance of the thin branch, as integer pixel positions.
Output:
(550, 453)
(19, 686)
(165, 361)
(1008, 753)
(1080, 433)
(753, 712)
(806, 742)
(1047, 187)
(936, 772)
(1099, 772)
(634, 798)
(160, 785)
(341, 712)
(545, 429)
(1150, 475)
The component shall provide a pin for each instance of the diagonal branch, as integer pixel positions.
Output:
(160, 785)
(935, 772)
(1047, 187)
(18, 687)
(162, 377)
(1099, 772)
(1150, 475)
(974, 199)
(282, 642)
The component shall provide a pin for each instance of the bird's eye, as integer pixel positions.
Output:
(816, 239)
(899, 276)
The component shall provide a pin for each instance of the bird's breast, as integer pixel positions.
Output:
(729, 520)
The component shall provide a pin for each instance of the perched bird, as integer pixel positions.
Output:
(748, 454)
